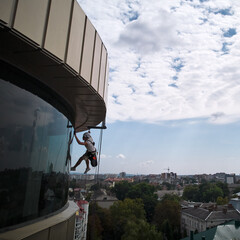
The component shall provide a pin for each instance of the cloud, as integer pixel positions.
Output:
(170, 61)
(146, 38)
(120, 156)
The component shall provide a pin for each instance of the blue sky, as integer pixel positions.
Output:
(174, 89)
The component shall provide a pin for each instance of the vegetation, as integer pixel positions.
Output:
(124, 220)
(206, 192)
(139, 215)
(167, 216)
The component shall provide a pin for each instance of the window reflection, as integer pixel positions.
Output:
(34, 143)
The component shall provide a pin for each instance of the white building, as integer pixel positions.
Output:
(201, 219)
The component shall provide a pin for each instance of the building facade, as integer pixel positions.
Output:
(199, 219)
(53, 79)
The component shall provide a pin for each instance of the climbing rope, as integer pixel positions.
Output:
(99, 155)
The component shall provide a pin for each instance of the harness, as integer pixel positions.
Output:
(92, 155)
(93, 143)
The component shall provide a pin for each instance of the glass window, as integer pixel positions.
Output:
(34, 156)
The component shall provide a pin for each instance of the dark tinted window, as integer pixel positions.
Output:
(33, 156)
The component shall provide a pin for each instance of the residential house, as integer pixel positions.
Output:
(202, 218)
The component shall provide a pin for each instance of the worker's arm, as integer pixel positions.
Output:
(79, 142)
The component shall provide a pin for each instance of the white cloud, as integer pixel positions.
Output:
(170, 61)
(120, 156)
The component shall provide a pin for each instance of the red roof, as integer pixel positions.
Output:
(81, 202)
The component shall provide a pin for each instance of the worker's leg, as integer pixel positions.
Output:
(77, 163)
(87, 164)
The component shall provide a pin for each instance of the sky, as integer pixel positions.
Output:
(174, 86)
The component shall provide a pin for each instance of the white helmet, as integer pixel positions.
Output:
(86, 135)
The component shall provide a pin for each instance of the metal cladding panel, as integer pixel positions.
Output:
(71, 228)
(56, 63)
(30, 18)
(96, 62)
(86, 66)
(58, 232)
(106, 85)
(38, 236)
(76, 38)
(57, 29)
(6, 10)
(101, 85)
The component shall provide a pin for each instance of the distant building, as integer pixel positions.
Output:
(105, 201)
(88, 177)
(112, 181)
(161, 193)
(202, 218)
(221, 177)
(230, 178)
(122, 174)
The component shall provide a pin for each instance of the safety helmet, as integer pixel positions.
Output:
(86, 135)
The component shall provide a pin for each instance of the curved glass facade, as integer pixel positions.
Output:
(34, 156)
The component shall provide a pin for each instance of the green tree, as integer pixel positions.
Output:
(94, 229)
(124, 211)
(168, 210)
(140, 230)
(222, 201)
(167, 230)
(172, 197)
(145, 192)
(150, 203)
(205, 192)
(142, 191)
(224, 187)
(212, 193)
(192, 193)
(121, 190)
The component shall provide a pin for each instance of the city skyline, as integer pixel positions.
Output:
(173, 86)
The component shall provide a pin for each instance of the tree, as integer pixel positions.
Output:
(140, 230)
(94, 229)
(121, 190)
(222, 201)
(224, 187)
(192, 193)
(142, 191)
(150, 203)
(205, 192)
(168, 210)
(172, 197)
(212, 193)
(146, 193)
(124, 211)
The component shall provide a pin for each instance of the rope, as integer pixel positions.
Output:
(96, 176)
(99, 156)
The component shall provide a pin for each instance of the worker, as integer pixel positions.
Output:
(90, 154)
